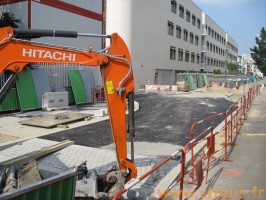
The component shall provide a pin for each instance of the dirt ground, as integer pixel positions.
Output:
(160, 118)
(6, 138)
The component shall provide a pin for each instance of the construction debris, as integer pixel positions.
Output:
(23, 170)
(2, 177)
(29, 174)
(183, 86)
(11, 181)
(65, 126)
(61, 117)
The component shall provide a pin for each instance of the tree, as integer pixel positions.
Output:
(259, 52)
(8, 19)
(217, 71)
(232, 68)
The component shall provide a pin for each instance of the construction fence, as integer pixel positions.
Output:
(195, 156)
(191, 81)
(75, 84)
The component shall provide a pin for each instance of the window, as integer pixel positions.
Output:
(197, 58)
(193, 20)
(170, 28)
(178, 32)
(172, 53)
(192, 58)
(191, 38)
(187, 16)
(181, 11)
(185, 35)
(180, 54)
(173, 6)
(198, 23)
(187, 56)
(208, 45)
(209, 31)
(211, 47)
(196, 40)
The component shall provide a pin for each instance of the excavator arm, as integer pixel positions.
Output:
(16, 53)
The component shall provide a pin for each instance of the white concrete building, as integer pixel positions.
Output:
(232, 49)
(213, 53)
(168, 37)
(248, 64)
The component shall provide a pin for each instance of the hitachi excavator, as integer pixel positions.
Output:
(17, 51)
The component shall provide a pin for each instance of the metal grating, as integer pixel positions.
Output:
(11, 101)
(71, 99)
(26, 91)
(88, 83)
(41, 83)
(77, 86)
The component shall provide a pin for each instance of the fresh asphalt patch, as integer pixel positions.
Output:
(161, 118)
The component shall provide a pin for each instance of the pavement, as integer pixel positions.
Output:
(245, 173)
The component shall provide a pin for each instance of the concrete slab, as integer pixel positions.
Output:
(56, 119)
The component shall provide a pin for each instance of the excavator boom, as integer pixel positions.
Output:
(16, 53)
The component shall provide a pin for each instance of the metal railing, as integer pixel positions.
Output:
(233, 118)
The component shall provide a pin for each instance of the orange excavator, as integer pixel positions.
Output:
(17, 51)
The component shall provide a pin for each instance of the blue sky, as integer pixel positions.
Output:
(243, 19)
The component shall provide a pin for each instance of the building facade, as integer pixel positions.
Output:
(168, 37)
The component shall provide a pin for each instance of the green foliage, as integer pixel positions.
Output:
(259, 51)
(217, 71)
(262, 68)
(232, 68)
(8, 19)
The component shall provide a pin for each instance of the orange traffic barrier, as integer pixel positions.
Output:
(137, 180)
(208, 135)
(233, 118)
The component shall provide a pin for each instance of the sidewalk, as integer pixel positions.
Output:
(245, 177)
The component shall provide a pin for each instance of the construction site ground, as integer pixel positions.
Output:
(162, 122)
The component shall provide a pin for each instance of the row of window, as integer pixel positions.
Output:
(215, 49)
(187, 56)
(219, 38)
(211, 32)
(232, 57)
(193, 39)
(189, 17)
(215, 62)
(230, 46)
(194, 58)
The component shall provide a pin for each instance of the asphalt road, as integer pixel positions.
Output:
(160, 119)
